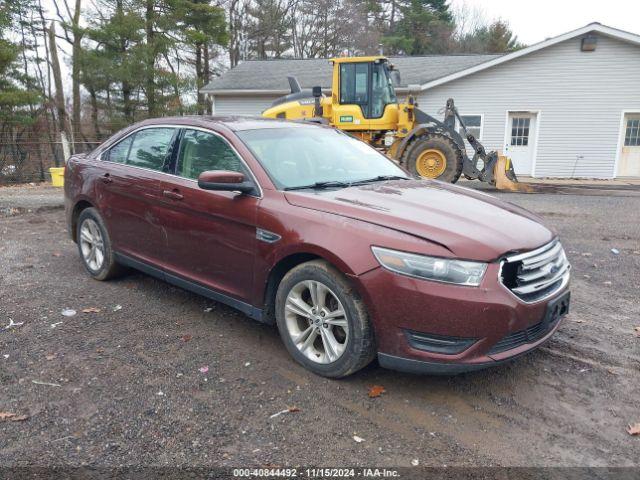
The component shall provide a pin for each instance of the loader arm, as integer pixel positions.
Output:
(426, 123)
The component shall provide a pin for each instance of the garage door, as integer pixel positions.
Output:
(629, 164)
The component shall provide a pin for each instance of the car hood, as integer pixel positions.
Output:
(469, 223)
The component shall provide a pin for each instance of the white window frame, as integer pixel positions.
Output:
(481, 115)
(526, 124)
(636, 137)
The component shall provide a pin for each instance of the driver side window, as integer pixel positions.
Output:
(201, 151)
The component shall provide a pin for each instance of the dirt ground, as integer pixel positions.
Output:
(122, 386)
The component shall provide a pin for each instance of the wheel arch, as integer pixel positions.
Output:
(78, 208)
(406, 141)
(285, 264)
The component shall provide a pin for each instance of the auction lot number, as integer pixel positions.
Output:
(314, 473)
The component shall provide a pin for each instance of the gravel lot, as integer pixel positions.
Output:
(123, 386)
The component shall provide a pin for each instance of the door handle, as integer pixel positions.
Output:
(173, 194)
(106, 178)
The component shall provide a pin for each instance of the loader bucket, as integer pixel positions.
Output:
(505, 177)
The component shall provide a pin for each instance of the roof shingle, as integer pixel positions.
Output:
(271, 75)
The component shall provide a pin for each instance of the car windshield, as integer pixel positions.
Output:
(317, 157)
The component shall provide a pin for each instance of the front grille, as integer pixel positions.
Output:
(538, 274)
(528, 335)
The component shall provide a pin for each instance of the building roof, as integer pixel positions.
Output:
(270, 76)
(417, 73)
(591, 28)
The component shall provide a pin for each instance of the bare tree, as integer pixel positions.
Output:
(73, 34)
(63, 117)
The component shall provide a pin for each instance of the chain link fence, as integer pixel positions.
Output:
(28, 160)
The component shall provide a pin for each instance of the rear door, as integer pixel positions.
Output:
(130, 192)
(211, 234)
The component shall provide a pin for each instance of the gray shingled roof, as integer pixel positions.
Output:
(271, 75)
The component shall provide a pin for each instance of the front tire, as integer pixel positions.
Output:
(94, 246)
(323, 322)
(434, 156)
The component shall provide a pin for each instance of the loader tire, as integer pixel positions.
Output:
(434, 156)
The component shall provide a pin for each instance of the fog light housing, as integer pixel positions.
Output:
(428, 342)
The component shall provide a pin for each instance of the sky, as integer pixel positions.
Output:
(536, 20)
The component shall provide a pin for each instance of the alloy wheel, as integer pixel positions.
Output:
(316, 321)
(92, 244)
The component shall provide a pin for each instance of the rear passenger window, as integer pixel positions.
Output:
(119, 152)
(202, 151)
(150, 148)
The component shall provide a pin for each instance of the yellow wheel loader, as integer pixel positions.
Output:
(363, 102)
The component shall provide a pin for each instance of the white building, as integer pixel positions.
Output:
(565, 107)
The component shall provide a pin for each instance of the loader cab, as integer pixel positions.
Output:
(365, 90)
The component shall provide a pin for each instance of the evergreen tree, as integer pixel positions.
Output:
(423, 26)
(269, 28)
(18, 90)
(112, 57)
(500, 38)
(202, 25)
(20, 100)
(496, 37)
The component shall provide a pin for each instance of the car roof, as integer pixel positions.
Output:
(235, 123)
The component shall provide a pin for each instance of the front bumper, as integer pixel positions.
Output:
(490, 315)
(410, 365)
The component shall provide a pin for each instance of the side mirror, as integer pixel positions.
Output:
(316, 91)
(224, 180)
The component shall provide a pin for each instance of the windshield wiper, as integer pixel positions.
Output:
(380, 178)
(320, 185)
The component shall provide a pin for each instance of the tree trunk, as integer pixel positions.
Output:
(233, 34)
(127, 107)
(151, 59)
(392, 20)
(46, 47)
(199, 78)
(207, 79)
(63, 118)
(175, 84)
(94, 113)
(109, 105)
(75, 69)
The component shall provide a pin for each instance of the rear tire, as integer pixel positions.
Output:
(94, 246)
(425, 155)
(326, 330)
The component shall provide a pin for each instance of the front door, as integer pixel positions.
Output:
(211, 235)
(629, 164)
(354, 104)
(520, 141)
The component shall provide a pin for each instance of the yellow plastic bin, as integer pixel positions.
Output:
(57, 176)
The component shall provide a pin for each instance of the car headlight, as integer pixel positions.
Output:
(460, 272)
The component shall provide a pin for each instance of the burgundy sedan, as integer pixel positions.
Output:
(306, 227)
